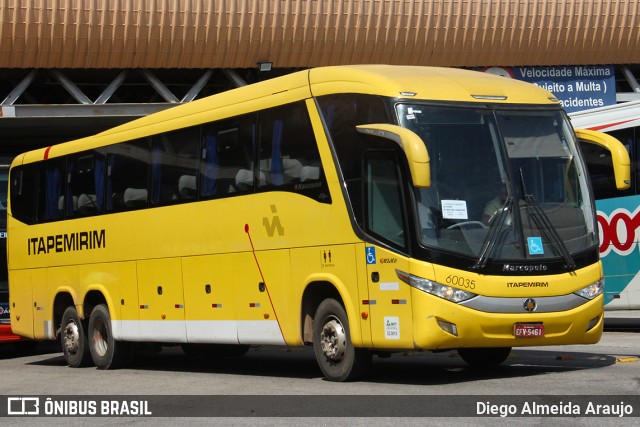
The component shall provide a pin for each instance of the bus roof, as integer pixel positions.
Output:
(428, 83)
(425, 83)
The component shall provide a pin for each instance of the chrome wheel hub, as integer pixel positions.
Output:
(99, 342)
(333, 339)
(71, 338)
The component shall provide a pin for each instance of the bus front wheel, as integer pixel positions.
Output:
(339, 360)
(484, 357)
(106, 352)
(73, 339)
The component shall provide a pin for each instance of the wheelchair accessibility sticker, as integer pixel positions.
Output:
(535, 245)
(371, 255)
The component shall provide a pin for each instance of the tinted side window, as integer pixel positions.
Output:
(85, 184)
(127, 183)
(288, 156)
(174, 166)
(383, 193)
(342, 113)
(600, 167)
(52, 203)
(630, 138)
(227, 157)
(23, 181)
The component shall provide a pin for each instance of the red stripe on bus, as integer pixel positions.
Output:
(611, 124)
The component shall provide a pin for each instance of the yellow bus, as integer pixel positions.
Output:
(346, 207)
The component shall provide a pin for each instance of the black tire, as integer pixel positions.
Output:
(215, 351)
(106, 352)
(338, 359)
(73, 339)
(484, 357)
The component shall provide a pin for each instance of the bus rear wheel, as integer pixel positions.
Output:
(338, 359)
(73, 339)
(484, 357)
(106, 352)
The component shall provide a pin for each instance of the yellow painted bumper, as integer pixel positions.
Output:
(480, 329)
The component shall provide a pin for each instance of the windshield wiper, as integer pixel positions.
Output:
(546, 227)
(494, 228)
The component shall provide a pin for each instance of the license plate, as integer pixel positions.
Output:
(528, 330)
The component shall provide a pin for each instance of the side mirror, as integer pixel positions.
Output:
(619, 155)
(412, 145)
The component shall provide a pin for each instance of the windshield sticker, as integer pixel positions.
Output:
(454, 209)
(535, 245)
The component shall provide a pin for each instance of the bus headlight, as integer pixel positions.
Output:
(591, 291)
(447, 292)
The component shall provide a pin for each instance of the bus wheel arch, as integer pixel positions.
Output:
(61, 301)
(314, 294)
(91, 300)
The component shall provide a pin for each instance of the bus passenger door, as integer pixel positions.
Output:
(385, 220)
(390, 312)
(161, 299)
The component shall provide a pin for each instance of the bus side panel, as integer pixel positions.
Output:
(621, 283)
(47, 283)
(21, 302)
(209, 300)
(276, 269)
(333, 264)
(619, 251)
(634, 292)
(257, 323)
(119, 285)
(161, 300)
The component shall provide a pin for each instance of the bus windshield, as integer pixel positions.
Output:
(506, 185)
